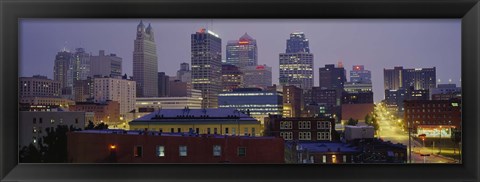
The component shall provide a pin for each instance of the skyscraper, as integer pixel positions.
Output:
(63, 71)
(184, 74)
(296, 65)
(81, 64)
(163, 85)
(206, 54)
(332, 77)
(242, 52)
(105, 65)
(145, 65)
(358, 74)
(257, 76)
(419, 78)
(232, 78)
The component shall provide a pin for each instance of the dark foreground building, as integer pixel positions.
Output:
(119, 146)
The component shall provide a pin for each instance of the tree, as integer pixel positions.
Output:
(100, 126)
(30, 154)
(352, 122)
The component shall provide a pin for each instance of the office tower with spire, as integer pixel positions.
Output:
(206, 55)
(242, 52)
(296, 64)
(145, 65)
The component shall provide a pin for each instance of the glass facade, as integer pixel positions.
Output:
(252, 100)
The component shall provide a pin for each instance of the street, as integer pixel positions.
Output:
(390, 130)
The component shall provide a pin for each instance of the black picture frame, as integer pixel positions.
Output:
(11, 11)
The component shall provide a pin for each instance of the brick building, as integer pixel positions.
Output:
(433, 116)
(300, 128)
(112, 146)
(108, 112)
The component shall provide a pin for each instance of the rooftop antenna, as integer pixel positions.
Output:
(64, 46)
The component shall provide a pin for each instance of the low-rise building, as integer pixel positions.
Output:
(111, 146)
(222, 121)
(358, 132)
(432, 117)
(107, 112)
(320, 152)
(33, 125)
(300, 128)
(46, 101)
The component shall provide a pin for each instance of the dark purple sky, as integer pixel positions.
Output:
(377, 44)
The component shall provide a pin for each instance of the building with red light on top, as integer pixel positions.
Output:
(242, 52)
(120, 146)
(257, 76)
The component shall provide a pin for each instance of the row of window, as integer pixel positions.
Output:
(305, 135)
(209, 130)
(428, 110)
(40, 120)
(305, 125)
(183, 151)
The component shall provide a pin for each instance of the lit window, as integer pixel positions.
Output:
(138, 151)
(160, 151)
(217, 150)
(182, 150)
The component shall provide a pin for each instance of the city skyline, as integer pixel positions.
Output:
(376, 44)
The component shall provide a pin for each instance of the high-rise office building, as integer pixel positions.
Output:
(81, 64)
(163, 85)
(105, 65)
(296, 64)
(242, 52)
(358, 74)
(63, 71)
(257, 76)
(292, 101)
(206, 54)
(184, 74)
(145, 65)
(232, 78)
(419, 78)
(332, 77)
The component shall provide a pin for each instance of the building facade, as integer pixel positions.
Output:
(300, 129)
(105, 65)
(111, 146)
(38, 86)
(116, 89)
(329, 99)
(33, 125)
(221, 121)
(292, 101)
(163, 85)
(46, 101)
(253, 101)
(206, 52)
(296, 64)
(419, 78)
(83, 90)
(257, 76)
(396, 98)
(242, 52)
(107, 112)
(332, 77)
(184, 74)
(145, 63)
(358, 74)
(432, 117)
(232, 78)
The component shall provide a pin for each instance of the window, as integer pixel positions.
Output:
(285, 125)
(61, 120)
(34, 120)
(304, 125)
(208, 130)
(217, 150)
(34, 129)
(242, 151)
(52, 121)
(182, 150)
(215, 131)
(160, 151)
(138, 151)
(226, 130)
(171, 130)
(323, 136)
(304, 136)
(245, 131)
(253, 131)
(286, 135)
(179, 130)
(324, 159)
(76, 120)
(160, 130)
(40, 120)
(344, 158)
(197, 130)
(233, 131)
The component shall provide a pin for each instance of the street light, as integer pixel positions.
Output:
(439, 142)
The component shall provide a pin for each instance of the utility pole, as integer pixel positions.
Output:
(410, 141)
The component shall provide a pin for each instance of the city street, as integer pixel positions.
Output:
(390, 130)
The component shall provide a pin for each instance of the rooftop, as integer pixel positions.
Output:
(156, 133)
(195, 115)
(327, 147)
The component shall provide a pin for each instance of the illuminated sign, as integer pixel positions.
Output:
(435, 131)
(260, 67)
(243, 42)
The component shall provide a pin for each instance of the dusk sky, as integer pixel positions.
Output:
(377, 44)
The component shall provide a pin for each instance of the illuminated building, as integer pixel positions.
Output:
(116, 89)
(46, 101)
(232, 78)
(145, 64)
(296, 64)
(358, 74)
(332, 77)
(38, 86)
(69, 67)
(33, 125)
(222, 121)
(327, 98)
(105, 65)
(419, 78)
(122, 146)
(206, 54)
(357, 87)
(357, 97)
(257, 76)
(431, 117)
(107, 112)
(253, 101)
(292, 101)
(321, 153)
(242, 52)
(301, 128)
(396, 98)
(446, 92)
